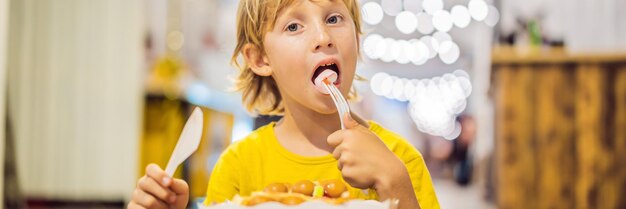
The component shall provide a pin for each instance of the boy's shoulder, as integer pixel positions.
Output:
(385, 134)
(395, 142)
(253, 140)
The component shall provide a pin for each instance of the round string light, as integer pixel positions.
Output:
(434, 103)
(372, 13)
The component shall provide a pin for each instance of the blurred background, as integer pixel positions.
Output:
(514, 104)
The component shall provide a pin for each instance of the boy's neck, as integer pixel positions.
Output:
(304, 131)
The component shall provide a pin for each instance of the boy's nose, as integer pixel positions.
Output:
(330, 45)
(323, 40)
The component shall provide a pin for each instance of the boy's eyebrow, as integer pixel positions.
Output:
(287, 15)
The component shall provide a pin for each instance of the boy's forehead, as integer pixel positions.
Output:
(295, 3)
(292, 5)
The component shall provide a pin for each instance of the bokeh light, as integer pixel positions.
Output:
(428, 41)
(403, 52)
(421, 52)
(478, 9)
(376, 83)
(434, 103)
(425, 23)
(493, 16)
(438, 38)
(451, 88)
(455, 133)
(372, 13)
(370, 44)
(460, 16)
(431, 6)
(414, 6)
(391, 7)
(442, 20)
(449, 52)
(397, 91)
(387, 85)
(392, 50)
(406, 22)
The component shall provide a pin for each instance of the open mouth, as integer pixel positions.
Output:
(322, 68)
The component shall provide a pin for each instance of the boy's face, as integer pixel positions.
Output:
(306, 36)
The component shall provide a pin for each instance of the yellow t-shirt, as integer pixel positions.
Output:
(251, 164)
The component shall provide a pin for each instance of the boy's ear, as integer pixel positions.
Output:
(256, 60)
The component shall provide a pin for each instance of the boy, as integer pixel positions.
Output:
(285, 44)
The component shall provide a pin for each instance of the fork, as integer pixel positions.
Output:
(342, 108)
(339, 100)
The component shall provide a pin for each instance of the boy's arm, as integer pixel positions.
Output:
(397, 184)
(224, 179)
(410, 184)
(399, 171)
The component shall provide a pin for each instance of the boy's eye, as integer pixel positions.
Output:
(334, 19)
(292, 27)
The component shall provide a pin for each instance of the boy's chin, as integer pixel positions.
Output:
(327, 110)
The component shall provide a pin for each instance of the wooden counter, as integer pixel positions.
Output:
(560, 129)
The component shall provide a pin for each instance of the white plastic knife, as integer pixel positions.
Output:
(187, 142)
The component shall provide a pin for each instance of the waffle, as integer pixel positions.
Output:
(329, 191)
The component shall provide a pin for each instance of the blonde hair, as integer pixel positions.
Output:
(254, 18)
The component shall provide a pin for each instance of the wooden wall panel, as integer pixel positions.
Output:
(593, 152)
(554, 128)
(560, 132)
(514, 125)
(620, 133)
